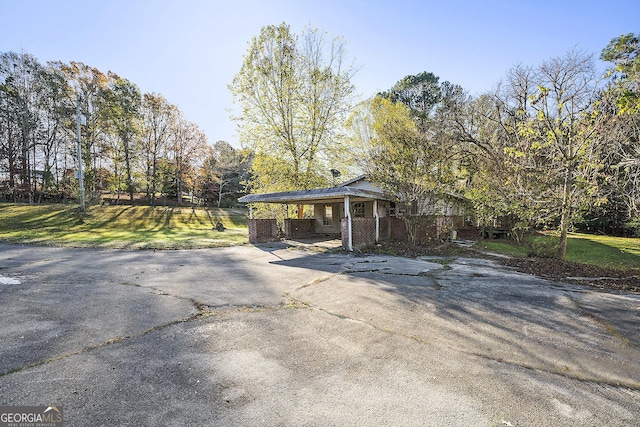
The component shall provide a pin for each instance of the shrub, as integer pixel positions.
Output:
(545, 246)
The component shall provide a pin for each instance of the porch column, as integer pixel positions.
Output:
(377, 217)
(347, 214)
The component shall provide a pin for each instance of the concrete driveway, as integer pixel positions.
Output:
(276, 336)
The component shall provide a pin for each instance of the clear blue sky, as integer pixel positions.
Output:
(189, 50)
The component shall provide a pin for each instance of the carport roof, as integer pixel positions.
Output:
(317, 195)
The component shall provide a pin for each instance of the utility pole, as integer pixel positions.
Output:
(80, 173)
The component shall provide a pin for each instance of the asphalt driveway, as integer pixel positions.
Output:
(271, 335)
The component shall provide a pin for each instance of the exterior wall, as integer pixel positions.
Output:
(364, 184)
(383, 208)
(263, 230)
(446, 207)
(299, 227)
(368, 210)
(397, 230)
(319, 213)
(385, 228)
(437, 228)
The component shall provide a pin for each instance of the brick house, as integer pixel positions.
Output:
(357, 211)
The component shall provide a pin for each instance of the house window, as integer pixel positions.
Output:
(328, 215)
(392, 209)
(358, 210)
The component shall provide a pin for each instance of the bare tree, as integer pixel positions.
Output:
(538, 135)
(158, 116)
(186, 150)
(295, 93)
(567, 90)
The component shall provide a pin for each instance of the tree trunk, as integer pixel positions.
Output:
(566, 215)
(411, 224)
(127, 165)
(154, 175)
(220, 193)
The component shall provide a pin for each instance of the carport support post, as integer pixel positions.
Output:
(377, 217)
(347, 214)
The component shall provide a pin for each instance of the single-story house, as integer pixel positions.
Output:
(358, 211)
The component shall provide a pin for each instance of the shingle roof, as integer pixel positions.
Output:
(312, 195)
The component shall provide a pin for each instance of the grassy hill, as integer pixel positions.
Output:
(131, 227)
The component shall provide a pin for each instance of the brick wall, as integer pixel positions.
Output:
(363, 232)
(299, 227)
(434, 228)
(263, 230)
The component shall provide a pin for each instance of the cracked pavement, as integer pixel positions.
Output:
(270, 335)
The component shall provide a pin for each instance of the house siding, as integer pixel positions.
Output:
(319, 214)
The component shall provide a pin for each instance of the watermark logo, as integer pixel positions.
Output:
(31, 416)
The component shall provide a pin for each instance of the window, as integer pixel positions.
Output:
(358, 210)
(328, 215)
(392, 209)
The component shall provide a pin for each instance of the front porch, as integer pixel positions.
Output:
(351, 211)
(357, 212)
(358, 226)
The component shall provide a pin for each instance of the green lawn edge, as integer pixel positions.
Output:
(619, 253)
(122, 227)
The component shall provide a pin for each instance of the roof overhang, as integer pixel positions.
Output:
(318, 195)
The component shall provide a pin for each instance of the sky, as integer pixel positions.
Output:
(189, 50)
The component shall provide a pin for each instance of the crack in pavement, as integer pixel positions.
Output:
(608, 327)
(202, 311)
(104, 343)
(630, 385)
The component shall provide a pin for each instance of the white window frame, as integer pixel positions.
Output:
(358, 209)
(327, 218)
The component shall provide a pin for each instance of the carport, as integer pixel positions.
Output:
(360, 204)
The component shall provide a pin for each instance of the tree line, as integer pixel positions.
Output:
(554, 145)
(134, 145)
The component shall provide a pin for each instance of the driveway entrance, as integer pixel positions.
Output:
(273, 335)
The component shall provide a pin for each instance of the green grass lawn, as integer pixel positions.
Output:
(131, 227)
(604, 251)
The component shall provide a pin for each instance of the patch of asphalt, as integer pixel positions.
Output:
(390, 265)
(8, 280)
(72, 300)
(475, 308)
(301, 366)
(40, 324)
(281, 337)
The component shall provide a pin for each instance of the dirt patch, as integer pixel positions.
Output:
(555, 269)
(400, 248)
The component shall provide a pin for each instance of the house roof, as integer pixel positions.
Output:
(315, 195)
(326, 195)
(354, 180)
